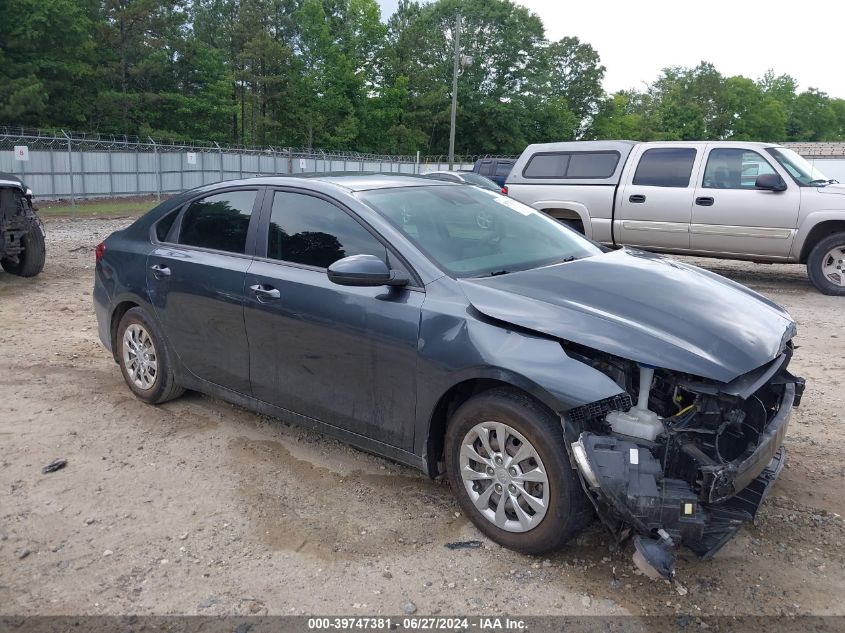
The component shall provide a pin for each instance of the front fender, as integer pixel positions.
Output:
(465, 345)
(805, 229)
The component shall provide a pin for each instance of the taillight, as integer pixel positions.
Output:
(505, 190)
(99, 251)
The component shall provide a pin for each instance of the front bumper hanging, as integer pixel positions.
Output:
(627, 485)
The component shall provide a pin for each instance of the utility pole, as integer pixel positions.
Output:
(455, 73)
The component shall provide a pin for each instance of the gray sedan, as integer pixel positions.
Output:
(548, 379)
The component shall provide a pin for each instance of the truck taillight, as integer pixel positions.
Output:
(98, 252)
(505, 190)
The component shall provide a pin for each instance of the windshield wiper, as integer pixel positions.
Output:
(496, 273)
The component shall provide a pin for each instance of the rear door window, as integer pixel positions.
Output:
(219, 222)
(665, 167)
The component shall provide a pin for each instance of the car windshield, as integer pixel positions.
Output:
(480, 181)
(470, 232)
(799, 168)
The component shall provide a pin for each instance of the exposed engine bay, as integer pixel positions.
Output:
(680, 460)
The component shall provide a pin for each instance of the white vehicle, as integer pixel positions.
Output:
(739, 200)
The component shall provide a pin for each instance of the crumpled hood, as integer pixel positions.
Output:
(642, 307)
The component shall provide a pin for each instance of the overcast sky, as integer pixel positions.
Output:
(637, 39)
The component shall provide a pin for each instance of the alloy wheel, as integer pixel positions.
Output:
(140, 357)
(833, 266)
(504, 476)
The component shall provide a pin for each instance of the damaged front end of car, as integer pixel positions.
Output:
(678, 460)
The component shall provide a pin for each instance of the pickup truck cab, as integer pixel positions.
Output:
(739, 200)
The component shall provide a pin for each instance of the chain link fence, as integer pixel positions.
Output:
(73, 166)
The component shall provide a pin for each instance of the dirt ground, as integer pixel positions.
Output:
(201, 507)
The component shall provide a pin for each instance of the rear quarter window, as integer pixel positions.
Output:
(163, 226)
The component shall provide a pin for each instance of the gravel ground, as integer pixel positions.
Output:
(202, 507)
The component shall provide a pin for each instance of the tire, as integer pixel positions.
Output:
(154, 387)
(826, 263)
(31, 260)
(567, 508)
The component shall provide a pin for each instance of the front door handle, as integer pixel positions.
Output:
(637, 198)
(160, 272)
(705, 201)
(265, 293)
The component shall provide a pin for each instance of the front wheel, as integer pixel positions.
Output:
(507, 464)
(826, 265)
(31, 259)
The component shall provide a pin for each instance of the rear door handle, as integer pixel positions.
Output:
(637, 198)
(265, 293)
(705, 201)
(160, 272)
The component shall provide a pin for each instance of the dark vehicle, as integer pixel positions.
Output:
(22, 250)
(496, 169)
(466, 177)
(547, 378)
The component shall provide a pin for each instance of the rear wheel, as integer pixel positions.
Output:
(31, 259)
(826, 265)
(144, 359)
(507, 463)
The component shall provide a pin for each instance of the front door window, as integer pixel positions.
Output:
(734, 168)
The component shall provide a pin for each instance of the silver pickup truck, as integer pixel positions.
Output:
(739, 200)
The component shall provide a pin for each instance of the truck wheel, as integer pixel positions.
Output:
(507, 465)
(144, 359)
(826, 265)
(31, 260)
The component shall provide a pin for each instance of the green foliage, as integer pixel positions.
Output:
(329, 73)
(701, 104)
(47, 61)
(573, 71)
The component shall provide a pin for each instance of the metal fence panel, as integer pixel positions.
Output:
(76, 166)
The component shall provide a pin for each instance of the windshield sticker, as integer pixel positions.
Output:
(516, 206)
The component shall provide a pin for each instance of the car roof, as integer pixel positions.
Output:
(355, 181)
(349, 182)
(624, 146)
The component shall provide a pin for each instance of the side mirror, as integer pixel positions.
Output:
(364, 270)
(770, 182)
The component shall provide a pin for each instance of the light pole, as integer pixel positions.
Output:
(461, 62)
